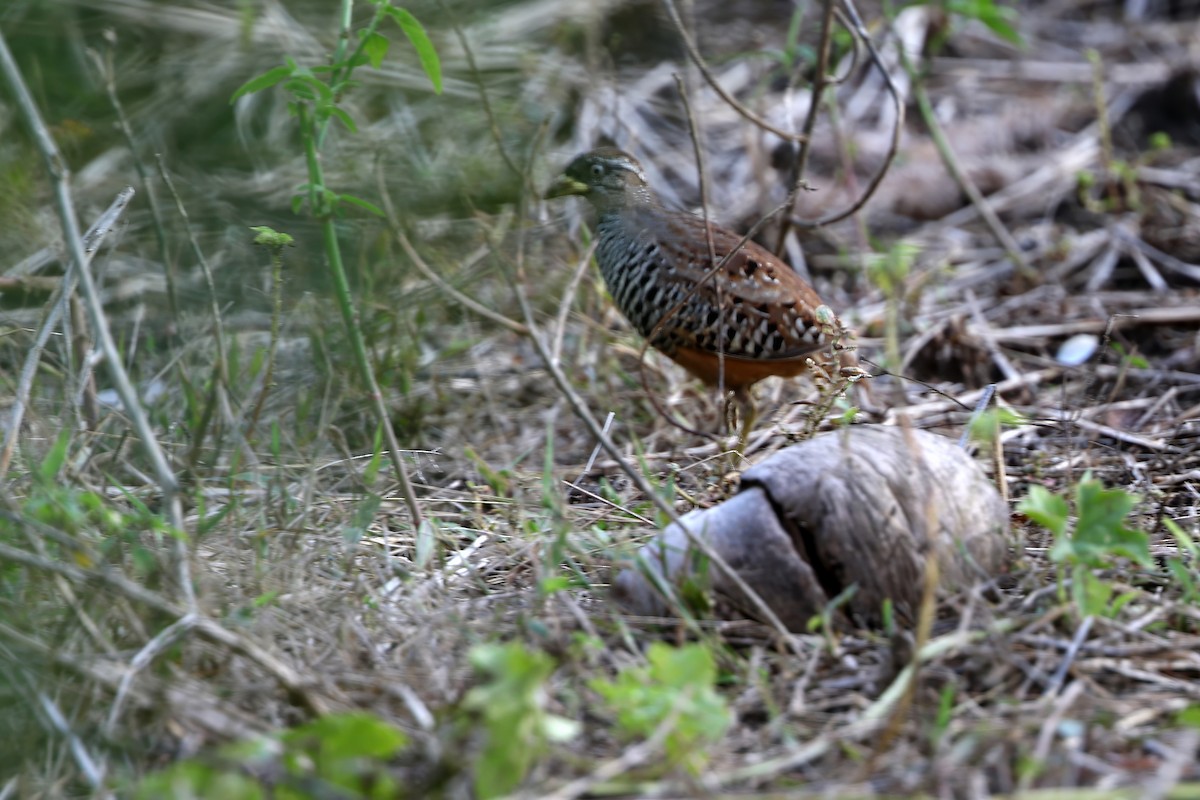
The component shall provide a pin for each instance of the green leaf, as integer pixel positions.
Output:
(421, 43)
(305, 84)
(1132, 544)
(1046, 509)
(207, 523)
(265, 80)
(678, 684)
(375, 49)
(555, 584)
(349, 735)
(371, 472)
(56, 456)
(511, 704)
(362, 518)
(193, 779)
(269, 237)
(945, 711)
(1190, 716)
(360, 203)
(998, 19)
(682, 666)
(1063, 549)
(1100, 510)
(1119, 602)
(1182, 540)
(1089, 592)
(1101, 527)
(341, 115)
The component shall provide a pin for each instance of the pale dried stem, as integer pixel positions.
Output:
(57, 305)
(60, 175)
(564, 306)
(108, 73)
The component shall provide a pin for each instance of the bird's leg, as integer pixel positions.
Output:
(730, 411)
(748, 411)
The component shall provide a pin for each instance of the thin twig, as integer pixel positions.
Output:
(477, 77)
(109, 75)
(564, 306)
(93, 769)
(466, 301)
(733, 103)
(816, 94)
(702, 179)
(857, 27)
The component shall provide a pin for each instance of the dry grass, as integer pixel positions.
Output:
(312, 598)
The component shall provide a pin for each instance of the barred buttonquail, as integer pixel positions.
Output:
(754, 318)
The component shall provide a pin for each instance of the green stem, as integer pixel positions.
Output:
(343, 66)
(322, 210)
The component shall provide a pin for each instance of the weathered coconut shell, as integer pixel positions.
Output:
(856, 506)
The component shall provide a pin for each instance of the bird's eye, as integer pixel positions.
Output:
(597, 170)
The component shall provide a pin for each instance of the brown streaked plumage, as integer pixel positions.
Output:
(753, 319)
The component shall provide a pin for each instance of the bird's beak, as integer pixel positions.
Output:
(564, 186)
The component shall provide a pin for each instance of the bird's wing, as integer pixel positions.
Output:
(755, 307)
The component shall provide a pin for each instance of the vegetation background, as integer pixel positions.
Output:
(292, 627)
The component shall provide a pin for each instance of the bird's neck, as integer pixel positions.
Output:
(634, 201)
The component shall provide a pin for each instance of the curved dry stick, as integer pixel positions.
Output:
(855, 52)
(108, 74)
(493, 125)
(856, 27)
(701, 65)
(702, 180)
(817, 93)
(564, 307)
(466, 301)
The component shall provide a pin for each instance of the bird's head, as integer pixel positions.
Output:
(610, 178)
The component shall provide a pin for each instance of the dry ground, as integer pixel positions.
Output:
(1080, 306)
